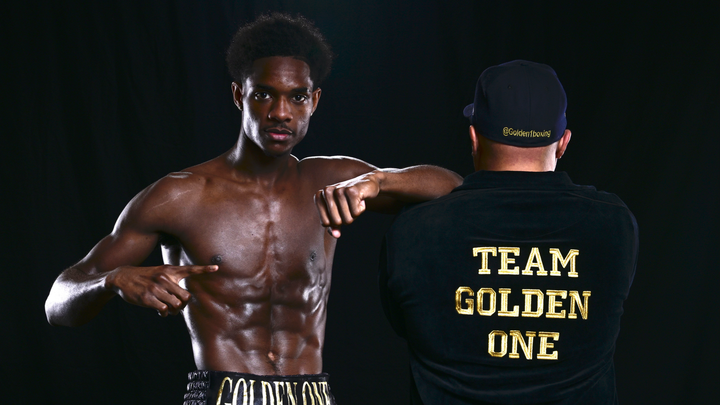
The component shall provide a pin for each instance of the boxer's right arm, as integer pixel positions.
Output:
(81, 291)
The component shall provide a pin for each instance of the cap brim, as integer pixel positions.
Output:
(468, 110)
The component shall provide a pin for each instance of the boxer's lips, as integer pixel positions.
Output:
(278, 134)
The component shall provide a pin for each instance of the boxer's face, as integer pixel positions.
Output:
(277, 100)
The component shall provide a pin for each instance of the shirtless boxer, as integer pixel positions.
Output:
(247, 259)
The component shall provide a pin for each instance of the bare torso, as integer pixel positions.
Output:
(264, 310)
(248, 259)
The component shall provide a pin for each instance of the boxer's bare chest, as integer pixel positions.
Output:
(262, 238)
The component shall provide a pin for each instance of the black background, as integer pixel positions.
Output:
(99, 99)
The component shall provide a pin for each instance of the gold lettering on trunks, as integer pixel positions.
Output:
(222, 388)
(248, 397)
(310, 390)
(504, 292)
(274, 392)
(503, 343)
(291, 392)
(484, 258)
(320, 398)
(279, 395)
(267, 388)
(575, 299)
(505, 261)
(310, 394)
(469, 301)
(326, 396)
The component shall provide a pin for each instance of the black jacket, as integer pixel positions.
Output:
(510, 290)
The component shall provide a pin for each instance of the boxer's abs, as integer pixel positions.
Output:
(263, 311)
(270, 324)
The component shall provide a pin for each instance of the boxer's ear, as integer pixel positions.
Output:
(237, 95)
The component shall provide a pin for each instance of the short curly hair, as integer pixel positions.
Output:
(279, 34)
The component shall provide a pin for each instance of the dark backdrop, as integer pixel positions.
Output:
(102, 98)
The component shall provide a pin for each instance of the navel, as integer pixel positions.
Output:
(313, 255)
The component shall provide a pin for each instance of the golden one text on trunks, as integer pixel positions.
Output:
(550, 303)
(243, 391)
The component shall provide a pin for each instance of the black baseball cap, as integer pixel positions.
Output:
(519, 103)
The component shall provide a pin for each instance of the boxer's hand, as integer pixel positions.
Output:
(154, 287)
(341, 203)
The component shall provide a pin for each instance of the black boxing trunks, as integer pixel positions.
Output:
(226, 388)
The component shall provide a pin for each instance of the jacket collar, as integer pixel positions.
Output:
(485, 179)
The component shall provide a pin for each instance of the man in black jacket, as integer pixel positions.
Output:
(510, 289)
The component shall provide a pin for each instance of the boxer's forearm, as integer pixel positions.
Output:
(381, 190)
(76, 298)
(417, 183)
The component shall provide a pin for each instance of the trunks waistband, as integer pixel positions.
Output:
(207, 387)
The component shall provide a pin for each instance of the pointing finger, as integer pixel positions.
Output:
(185, 271)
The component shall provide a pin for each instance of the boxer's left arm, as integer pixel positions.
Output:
(381, 190)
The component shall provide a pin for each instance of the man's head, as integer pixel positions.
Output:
(279, 35)
(277, 63)
(519, 111)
